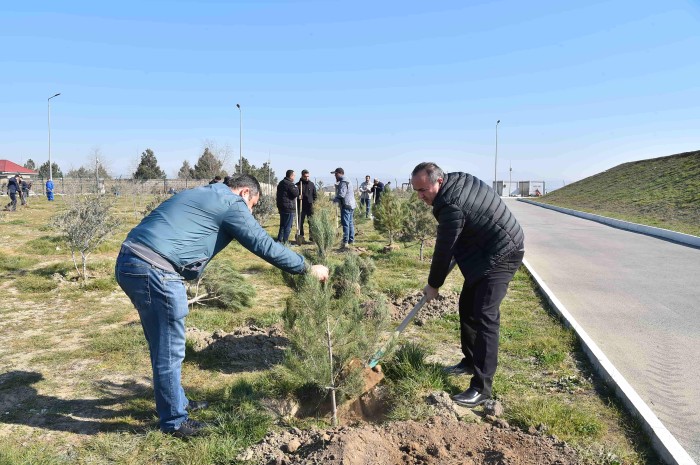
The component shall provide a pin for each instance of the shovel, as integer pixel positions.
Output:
(297, 236)
(392, 340)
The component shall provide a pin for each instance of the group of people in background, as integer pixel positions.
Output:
(17, 186)
(295, 199)
(370, 192)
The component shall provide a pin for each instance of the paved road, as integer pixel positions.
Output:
(637, 297)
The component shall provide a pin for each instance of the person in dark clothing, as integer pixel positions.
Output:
(476, 228)
(25, 190)
(12, 189)
(287, 194)
(215, 180)
(307, 197)
(377, 190)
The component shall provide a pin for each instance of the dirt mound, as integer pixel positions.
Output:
(437, 441)
(444, 304)
(248, 348)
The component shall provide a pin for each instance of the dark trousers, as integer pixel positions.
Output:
(480, 320)
(286, 220)
(12, 206)
(305, 213)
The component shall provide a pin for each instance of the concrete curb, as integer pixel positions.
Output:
(686, 239)
(663, 442)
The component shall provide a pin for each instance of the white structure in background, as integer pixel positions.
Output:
(520, 188)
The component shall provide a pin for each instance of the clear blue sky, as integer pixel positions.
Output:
(374, 87)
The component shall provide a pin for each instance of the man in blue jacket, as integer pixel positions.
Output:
(475, 228)
(174, 243)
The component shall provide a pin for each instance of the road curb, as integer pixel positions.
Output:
(663, 442)
(681, 238)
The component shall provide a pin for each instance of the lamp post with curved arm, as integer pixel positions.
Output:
(240, 136)
(48, 101)
(495, 164)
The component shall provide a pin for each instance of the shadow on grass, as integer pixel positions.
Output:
(234, 353)
(22, 404)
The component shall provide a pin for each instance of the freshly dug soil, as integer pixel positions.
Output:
(440, 440)
(444, 304)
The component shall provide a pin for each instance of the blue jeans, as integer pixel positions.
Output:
(161, 300)
(286, 220)
(348, 222)
(367, 203)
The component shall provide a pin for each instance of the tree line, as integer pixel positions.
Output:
(207, 166)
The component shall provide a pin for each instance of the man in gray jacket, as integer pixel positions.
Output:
(345, 197)
(174, 243)
(475, 228)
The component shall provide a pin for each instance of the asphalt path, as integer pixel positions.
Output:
(637, 297)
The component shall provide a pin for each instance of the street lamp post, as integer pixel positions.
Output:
(240, 136)
(510, 180)
(495, 164)
(48, 101)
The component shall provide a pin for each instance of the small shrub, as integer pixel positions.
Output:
(223, 286)
(85, 225)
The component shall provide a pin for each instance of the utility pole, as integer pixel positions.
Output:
(495, 164)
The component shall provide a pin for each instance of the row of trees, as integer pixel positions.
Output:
(207, 166)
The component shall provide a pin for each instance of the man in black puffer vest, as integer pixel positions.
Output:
(308, 195)
(476, 229)
(287, 194)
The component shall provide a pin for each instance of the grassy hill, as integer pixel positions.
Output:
(662, 192)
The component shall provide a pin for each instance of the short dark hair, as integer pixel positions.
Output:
(217, 177)
(431, 169)
(303, 172)
(288, 173)
(245, 180)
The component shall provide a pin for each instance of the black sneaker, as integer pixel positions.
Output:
(189, 429)
(460, 369)
(195, 405)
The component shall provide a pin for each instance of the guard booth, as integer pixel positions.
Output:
(531, 188)
(498, 187)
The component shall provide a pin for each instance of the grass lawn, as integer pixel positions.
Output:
(75, 376)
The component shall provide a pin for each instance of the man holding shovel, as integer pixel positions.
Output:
(477, 229)
(287, 194)
(307, 194)
(175, 242)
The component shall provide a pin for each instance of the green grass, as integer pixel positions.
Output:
(542, 379)
(31, 284)
(662, 192)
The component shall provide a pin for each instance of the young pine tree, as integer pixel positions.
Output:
(327, 333)
(420, 223)
(390, 215)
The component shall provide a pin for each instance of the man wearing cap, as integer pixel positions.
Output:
(345, 197)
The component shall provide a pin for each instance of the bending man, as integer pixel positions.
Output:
(476, 229)
(174, 243)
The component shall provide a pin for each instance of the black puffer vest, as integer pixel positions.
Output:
(474, 226)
